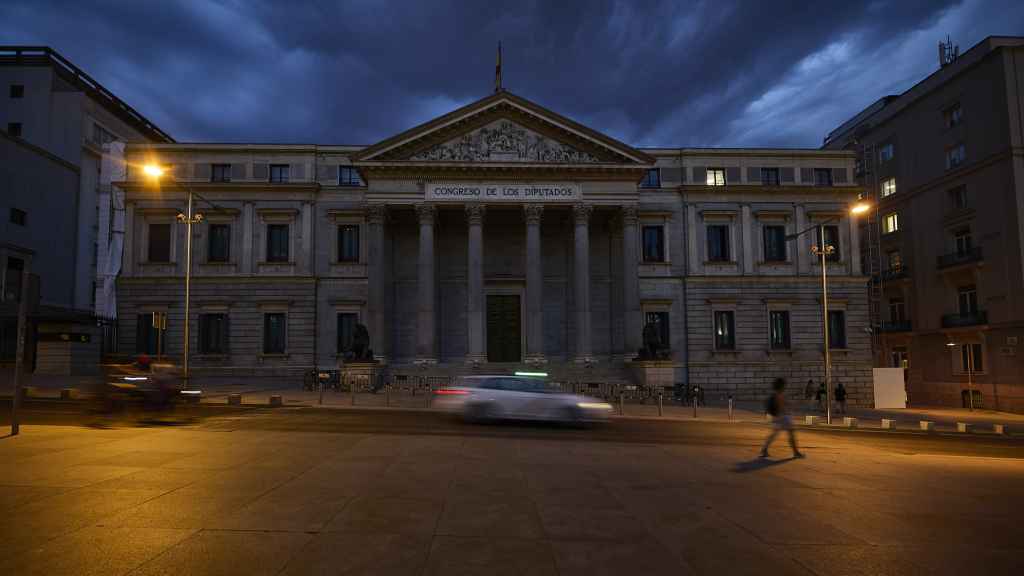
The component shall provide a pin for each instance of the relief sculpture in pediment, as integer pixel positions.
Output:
(504, 141)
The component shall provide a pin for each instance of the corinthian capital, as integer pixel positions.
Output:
(533, 213)
(629, 215)
(475, 213)
(581, 213)
(376, 213)
(426, 213)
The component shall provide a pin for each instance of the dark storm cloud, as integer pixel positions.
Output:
(650, 73)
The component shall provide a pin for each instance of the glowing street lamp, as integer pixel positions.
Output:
(823, 252)
(155, 172)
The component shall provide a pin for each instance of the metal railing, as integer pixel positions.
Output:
(961, 257)
(959, 320)
(896, 326)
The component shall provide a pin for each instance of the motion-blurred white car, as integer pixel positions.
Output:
(484, 398)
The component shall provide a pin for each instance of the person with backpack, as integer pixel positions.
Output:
(776, 407)
(841, 397)
(820, 397)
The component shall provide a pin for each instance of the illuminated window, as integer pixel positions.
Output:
(885, 153)
(716, 177)
(725, 332)
(955, 156)
(888, 187)
(891, 223)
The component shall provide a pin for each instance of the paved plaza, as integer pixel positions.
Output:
(223, 498)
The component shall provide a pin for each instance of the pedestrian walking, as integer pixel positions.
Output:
(841, 397)
(776, 407)
(809, 393)
(819, 396)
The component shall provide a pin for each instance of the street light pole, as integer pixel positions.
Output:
(970, 375)
(188, 219)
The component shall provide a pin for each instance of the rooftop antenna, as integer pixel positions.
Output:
(948, 52)
(497, 71)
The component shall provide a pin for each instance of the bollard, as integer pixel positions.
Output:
(849, 422)
(888, 424)
(964, 427)
(998, 429)
(234, 399)
(68, 393)
(321, 401)
(811, 420)
(730, 406)
(352, 388)
(660, 409)
(430, 392)
(927, 425)
(695, 391)
(622, 405)
(276, 401)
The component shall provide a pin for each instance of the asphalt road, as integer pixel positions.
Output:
(424, 423)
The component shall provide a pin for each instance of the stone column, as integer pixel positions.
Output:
(130, 231)
(475, 284)
(854, 255)
(377, 300)
(534, 286)
(801, 248)
(631, 282)
(747, 229)
(581, 280)
(426, 344)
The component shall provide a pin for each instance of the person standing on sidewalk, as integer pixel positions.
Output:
(809, 392)
(819, 396)
(841, 397)
(780, 419)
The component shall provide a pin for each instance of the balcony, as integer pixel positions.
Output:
(890, 326)
(958, 258)
(975, 318)
(893, 274)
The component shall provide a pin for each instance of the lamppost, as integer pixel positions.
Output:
(823, 252)
(188, 219)
(970, 371)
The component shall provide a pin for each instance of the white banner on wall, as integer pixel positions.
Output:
(534, 192)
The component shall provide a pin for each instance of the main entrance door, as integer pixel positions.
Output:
(503, 334)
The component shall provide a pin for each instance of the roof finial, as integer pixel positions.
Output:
(497, 71)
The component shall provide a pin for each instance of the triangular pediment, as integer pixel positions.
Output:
(503, 128)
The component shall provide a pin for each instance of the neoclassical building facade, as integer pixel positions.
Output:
(497, 237)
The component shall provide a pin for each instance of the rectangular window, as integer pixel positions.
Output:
(14, 129)
(955, 156)
(837, 328)
(274, 340)
(958, 197)
(17, 90)
(151, 333)
(899, 357)
(953, 115)
(220, 173)
(277, 242)
(660, 319)
(278, 173)
(885, 153)
(897, 310)
(971, 358)
(101, 135)
(348, 176)
(718, 243)
(18, 216)
(891, 223)
(220, 243)
(778, 326)
(725, 330)
(346, 329)
(775, 243)
(716, 177)
(770, 176)
(652, 179)
(348, 243)
(822, 177)
(831, 239)
(963, 242)
(213, 333)
(159, 243)
(967, 300)
(12, 279)
(888, 187)
(895, 261)
(654, 243)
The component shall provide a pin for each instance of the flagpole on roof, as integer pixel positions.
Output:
(497, 71)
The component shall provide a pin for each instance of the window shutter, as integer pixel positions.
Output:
(671, 175)
(807, 175)
(753, 173)
(181, 171)
(259, 171)
(732, 175)
(786, 174)
(839, 175)
(327, 173)
(298, 172)
(700, 174)
(202, 172)
(238, 171)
